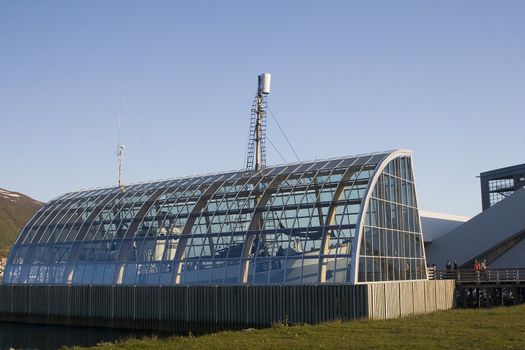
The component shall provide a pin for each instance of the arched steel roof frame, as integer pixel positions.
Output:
(191, 196)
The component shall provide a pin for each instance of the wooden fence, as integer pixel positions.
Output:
(201, 309)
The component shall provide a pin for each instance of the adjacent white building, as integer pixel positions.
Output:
(496, 235)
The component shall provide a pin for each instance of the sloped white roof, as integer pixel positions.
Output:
(500, 223)
(436, 225)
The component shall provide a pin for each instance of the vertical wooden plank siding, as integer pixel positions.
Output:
(202, 309)
(420, 305)
(395, 299)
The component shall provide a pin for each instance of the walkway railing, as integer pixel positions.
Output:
(489, 276)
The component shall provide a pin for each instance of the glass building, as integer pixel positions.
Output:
(344, 220)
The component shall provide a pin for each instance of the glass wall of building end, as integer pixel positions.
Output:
(391, 244)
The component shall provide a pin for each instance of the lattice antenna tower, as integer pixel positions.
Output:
(256, 155)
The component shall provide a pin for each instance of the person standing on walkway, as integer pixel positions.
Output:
(448, 267)
(477, 268)
(483, 268)
(455, 267)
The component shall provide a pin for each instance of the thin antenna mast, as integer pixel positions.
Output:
(120, 150)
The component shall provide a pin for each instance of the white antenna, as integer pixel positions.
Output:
(120, 149)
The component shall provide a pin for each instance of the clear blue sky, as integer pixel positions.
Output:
(443, 78)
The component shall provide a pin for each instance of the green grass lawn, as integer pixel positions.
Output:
(494, 329)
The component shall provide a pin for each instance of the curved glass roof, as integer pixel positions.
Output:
(293, 224)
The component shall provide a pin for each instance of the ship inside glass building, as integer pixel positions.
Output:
(351, 219)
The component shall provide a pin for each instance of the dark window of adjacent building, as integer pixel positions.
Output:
(498, 184)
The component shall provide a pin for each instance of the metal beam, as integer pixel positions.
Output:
(188, 226)
(330, 217)
(255, 224)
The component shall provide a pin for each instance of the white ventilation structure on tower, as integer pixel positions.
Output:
(264, 83)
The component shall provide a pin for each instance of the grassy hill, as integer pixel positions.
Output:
(15, 211)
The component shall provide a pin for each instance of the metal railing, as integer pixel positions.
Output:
(488, 276)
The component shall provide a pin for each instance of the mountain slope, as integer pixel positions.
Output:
(15, 211)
